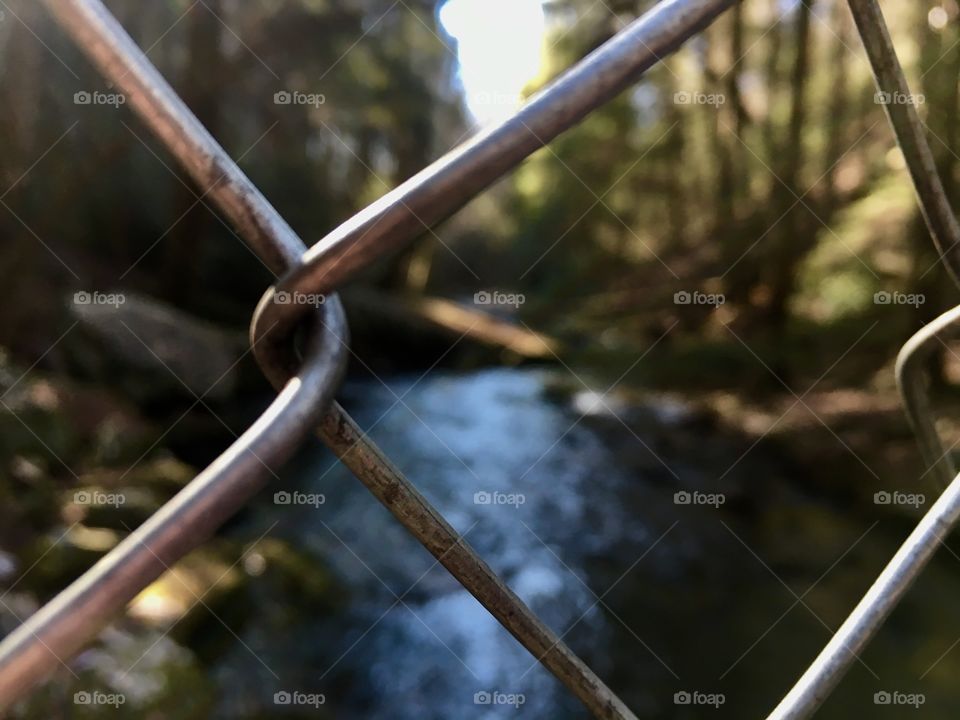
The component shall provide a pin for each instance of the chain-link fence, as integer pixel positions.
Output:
(307, 380)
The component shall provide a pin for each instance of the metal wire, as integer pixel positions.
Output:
(848, 642)
(914, 385)
(851, 638)
(65, 624)
(942, 223)
(445, 186)
(902, 111)
(306, 386)
(75, 616)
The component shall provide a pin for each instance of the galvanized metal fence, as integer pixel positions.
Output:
(848, 642)
(307, 381)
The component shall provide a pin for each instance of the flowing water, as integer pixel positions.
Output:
(572, 497)
(707, 608)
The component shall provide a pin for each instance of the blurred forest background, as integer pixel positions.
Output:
(756, 164)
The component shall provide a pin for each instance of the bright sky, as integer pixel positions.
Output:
(499, 43)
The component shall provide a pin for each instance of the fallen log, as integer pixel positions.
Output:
(452, 318)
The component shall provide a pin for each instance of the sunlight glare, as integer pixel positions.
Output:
(499, 46)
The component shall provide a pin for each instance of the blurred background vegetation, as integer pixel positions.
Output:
(755, 164)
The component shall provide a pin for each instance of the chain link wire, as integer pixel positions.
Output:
(826, 671)
(306, 384)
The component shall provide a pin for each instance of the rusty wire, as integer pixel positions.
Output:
(829, 667)
(306, 386)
